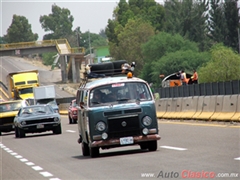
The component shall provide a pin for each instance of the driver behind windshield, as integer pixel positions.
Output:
(97, 97)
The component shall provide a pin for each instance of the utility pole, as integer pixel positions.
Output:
(90, 45)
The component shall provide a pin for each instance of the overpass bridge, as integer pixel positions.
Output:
(74, 56)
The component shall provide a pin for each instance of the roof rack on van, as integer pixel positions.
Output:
(102, 70)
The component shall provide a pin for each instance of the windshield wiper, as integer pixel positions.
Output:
(41, 112)
(123, 99)
(95, 102)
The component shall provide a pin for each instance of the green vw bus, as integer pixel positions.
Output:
(115, 112)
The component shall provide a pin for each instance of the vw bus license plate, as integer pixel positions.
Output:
(40, 126)
(126, 140)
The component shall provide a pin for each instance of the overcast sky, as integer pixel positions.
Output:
(89, 15)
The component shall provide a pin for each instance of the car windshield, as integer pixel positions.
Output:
(36, 110)
(74, 104)
(119, 93)
(26, 91)
(51, 102)
(11, 106)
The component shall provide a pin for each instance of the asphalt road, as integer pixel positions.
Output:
(46, 77)
(187, 150)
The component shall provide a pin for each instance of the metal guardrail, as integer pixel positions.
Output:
(203, 89)
(44, 43)
(27, 44)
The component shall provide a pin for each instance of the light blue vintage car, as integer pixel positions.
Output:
(37, 119)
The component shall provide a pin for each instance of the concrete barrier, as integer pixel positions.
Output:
(229, 107)
(236, 116)
(218, 107)
(171, 107)
(190, 107)
(199, 107)
(161, 107)
(209, 104)
(178, 109)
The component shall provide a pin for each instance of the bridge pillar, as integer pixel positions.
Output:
(77, 63)
(63, 60)
(73, 69)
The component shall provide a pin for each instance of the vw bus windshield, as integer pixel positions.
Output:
(119, 93)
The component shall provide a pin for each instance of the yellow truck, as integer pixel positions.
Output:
(21, 83)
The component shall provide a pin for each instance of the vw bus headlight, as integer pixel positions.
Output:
(147, 121)
(100, 126)
(104, 135)
(145, 131)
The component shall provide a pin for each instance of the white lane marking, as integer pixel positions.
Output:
(18, 156)
(71, 131)
(30, 163)
(46, 174)
(237, 158)
(37, 168)
(174, 148)
(23, 160)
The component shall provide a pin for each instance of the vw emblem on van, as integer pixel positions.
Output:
(124, 124)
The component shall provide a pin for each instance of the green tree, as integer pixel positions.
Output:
(217, 22)
(2, 40)
(233, 19)
(173, 62)
(134, 34)
(188, 18)
(59, 23)
(223, 66)
(48, 58)
(103, 33)
(20, 31)
(88, 39)
(161, 45)
(134, 9)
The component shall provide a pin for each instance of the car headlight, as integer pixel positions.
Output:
(147, 121)
(56, 119)
(56, 111)
(23, 123)
(100, 126)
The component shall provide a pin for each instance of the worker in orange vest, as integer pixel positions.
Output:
(184, 78)
(195, 77)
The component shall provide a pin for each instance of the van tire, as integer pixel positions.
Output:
(144, 145)
(94, 152)
(152, 145)
(85, 149)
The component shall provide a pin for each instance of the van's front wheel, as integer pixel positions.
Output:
(94, 152)
(85, 149)
(152, 145)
